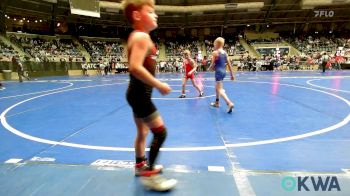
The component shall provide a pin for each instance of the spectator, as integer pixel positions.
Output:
(20, 70)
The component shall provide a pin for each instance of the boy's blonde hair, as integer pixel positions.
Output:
(220, 41)
(134, 5)
(187, 52)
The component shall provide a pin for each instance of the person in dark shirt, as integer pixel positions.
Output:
(20, 69)
(142, 66)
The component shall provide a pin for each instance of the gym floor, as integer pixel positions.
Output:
(75, 135)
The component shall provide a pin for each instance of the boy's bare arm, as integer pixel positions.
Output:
(213, 58)
(139, 50)
(194, 66)
(230, 68)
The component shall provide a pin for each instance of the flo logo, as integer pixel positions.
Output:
(322, 13)
(311, 183)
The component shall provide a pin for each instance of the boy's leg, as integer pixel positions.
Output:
(159, 135)
(140, 140)
(222, 93)
(217, 98)
(142, 167)
(149, 178)
(183, 92)
(197, 87)
(140, 145)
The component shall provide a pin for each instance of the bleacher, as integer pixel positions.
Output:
(311, 45)
(265, 51)
(46, 48)
(174, 49)
(104, 48)
(6, 52)
(108, 51)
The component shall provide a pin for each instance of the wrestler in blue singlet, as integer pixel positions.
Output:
(220, 66)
